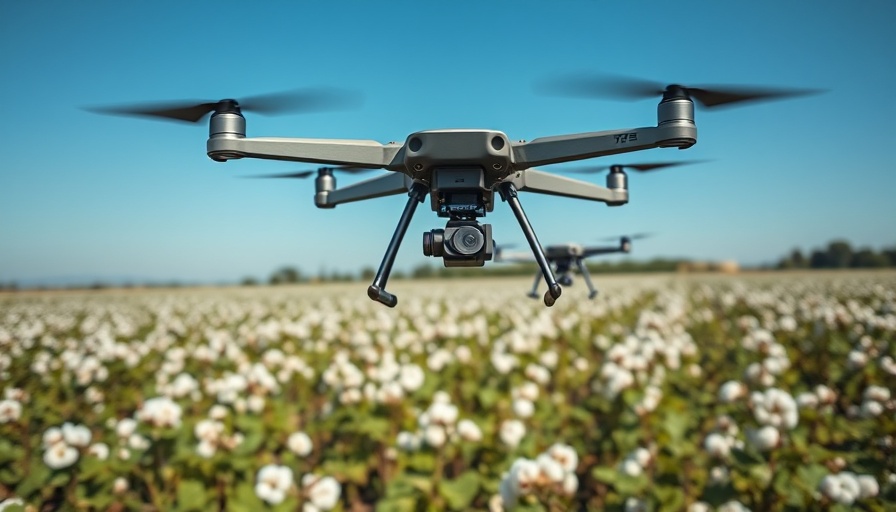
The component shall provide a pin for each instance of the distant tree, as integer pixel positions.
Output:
(839, 254)
(423, 271)
(367, 273)
(285, 275)
(797, 260)
(890, 253)
(866, 258)
(819, 259)
(249, 281)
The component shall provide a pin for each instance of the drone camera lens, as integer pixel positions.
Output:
(468, 240)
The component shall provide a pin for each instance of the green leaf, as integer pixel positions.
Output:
(403, 504)
(605, 474)
(459, 492)
(191, 495)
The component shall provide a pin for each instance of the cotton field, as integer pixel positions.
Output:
(699, 393)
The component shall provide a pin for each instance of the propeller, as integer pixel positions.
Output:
(292, 101)
(599, 85)
(352, 169)
(635, 167)
(636, 236)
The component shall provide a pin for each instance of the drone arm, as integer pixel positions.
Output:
(568, 148)
(594, 251)
(533, 180)
(380, 186)
(363, 153)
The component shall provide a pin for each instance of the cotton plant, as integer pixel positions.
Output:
(548, 477)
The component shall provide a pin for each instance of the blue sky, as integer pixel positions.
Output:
(102, 197)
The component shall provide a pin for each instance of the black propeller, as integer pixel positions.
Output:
(636, 236)
(635, 167)
(594, 85)
(305, 174)
(293, 101)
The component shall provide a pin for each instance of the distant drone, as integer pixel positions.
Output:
(459, 169)
(564, 257)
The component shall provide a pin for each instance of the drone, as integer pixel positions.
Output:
(459, 170)
(563, 257)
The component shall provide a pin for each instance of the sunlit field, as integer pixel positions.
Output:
(751, 392)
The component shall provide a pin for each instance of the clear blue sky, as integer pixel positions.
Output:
(83, 195)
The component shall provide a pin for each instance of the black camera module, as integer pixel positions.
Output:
(463, 243)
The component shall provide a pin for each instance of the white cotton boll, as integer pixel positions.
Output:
(550, 469)
(716, 445)
(255, 403)
(272, 483)
(876, 393)
(581, 364)
(732, 506)
(463, 354)
(435, 435)
(299, 443)
(630, 467)
(765, 438)
(138, 442)
(527, 390)
(508, 492)
(538, 373)
(323, 493)
(719, 475)
(208, 430)
(206, 449)
(642, 456)
(731, 391)
(441, 397)
(99, 450)
(635, 505)
(408, 441)
(469, 431)
(60, 455)
(503, 363)
(411, 377)
(836, 488)
(570, 484)
(443, 413)
(868, 486)
(549, 358)
(776, 408)
(856, 359)
(565, 455)
(51, 436)
(512, 432)
(523, 408)
(699, 506)
(217, 412)
(871, 409)
(807, 400)
(888, 364)
(10, 410)
(76, 435)
(120, 485)
(524, 473)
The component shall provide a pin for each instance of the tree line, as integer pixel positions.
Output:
(839, 254)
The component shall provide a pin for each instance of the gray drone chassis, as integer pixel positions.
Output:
(448, 164)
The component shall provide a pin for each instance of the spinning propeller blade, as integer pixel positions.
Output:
(293, 101)
(599, 85)
(635, 167)
(636, 236)
(352, 169)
